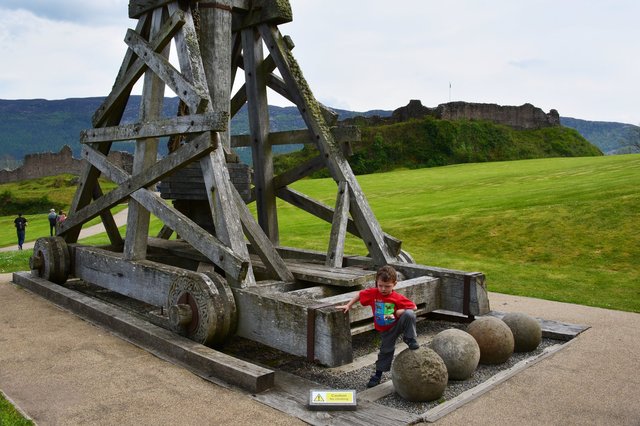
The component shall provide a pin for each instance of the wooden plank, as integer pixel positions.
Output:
(139, 7)
(280, 321)
(335, 252)
(146, 151)
(109, 223)
(235, 266)
(258, 113)
(207, 363)
(185, 124)
(216, 53)
(117, 99)
(186, 153)
(291, 394)
(452, 292)
(191, 94)
(325, 213)
(364, 219)
(298, 172)
(320, 274)
(261, 244)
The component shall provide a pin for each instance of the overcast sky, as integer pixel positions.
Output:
(579, 57)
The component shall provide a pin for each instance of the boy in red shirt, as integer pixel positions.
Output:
(393, 314)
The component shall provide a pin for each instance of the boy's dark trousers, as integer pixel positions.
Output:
(406, 325)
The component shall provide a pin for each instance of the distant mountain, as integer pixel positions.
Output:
(39, 125)
(610, 137)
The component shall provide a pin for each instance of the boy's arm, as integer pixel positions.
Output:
(354, 299)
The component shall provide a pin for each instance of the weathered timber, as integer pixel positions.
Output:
(186, 153)
(463, 292)
(321, 274)
(201, 360)
(109, 223)
(185, 124)
(298, 172)
(325, 212)
(130, 72)
(194, 96)
(137, 8)
(312, 113)
(262, 244)
(146, 150)
(216, 52)
(140, 279)
(258, 113)
(281, 322)
(335, 252)
(274, 12)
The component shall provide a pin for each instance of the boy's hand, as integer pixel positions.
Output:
(344, 308)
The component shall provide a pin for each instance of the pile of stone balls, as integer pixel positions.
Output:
(422, 375)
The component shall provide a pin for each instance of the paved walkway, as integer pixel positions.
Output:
(62, 370)
(120, 219)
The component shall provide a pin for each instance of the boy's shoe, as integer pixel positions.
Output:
(374, 381)
(412, 343)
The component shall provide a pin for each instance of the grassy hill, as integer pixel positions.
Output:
(430, 142)
(559, 229)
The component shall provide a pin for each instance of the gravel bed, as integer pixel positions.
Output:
(368, 343)
(363, 344)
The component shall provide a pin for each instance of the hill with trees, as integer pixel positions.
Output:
(39, 125)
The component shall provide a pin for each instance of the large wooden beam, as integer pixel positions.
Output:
(326, 213)
(335, 252)
(137, 8)
(132, 69)
(258, 112)
(194, 95)
(184, 155)
(146, 150)
(312, 113)
(181, 125)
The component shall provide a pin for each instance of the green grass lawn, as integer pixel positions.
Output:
(561, 229)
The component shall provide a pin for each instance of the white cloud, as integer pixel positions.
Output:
(577, 56)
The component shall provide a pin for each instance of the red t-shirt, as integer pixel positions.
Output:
(384, 307)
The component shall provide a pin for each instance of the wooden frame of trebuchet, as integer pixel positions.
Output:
(226, 274)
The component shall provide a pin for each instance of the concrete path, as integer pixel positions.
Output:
(120, 219)
(60, 369)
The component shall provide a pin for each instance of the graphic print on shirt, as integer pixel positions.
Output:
(384, 313)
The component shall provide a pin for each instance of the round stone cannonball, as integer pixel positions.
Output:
(494, 338)
(459, 351)
(419, 375)
(526, 330)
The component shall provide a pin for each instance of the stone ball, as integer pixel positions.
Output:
(419, 375)
(527, 333)
(494, 338)
(459, 351)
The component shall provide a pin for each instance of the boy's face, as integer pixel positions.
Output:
(385, 287)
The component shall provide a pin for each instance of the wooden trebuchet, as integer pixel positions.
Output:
(218, 268)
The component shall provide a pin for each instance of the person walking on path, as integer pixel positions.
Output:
(53, 220)
(21, 226)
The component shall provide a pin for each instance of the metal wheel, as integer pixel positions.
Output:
(196, 309)
(51, 260)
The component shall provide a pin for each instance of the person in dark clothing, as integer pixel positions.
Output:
(21, 226)
(53, 216)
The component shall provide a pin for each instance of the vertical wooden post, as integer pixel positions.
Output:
(215, 49)
(258, 111)
(335, 253)
(145, 155)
